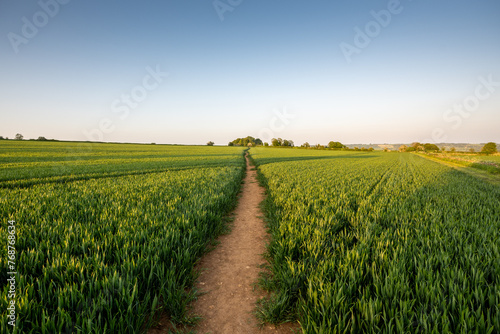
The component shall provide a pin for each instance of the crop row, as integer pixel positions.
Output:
(27, 163)
(108, 255)
(380, 243)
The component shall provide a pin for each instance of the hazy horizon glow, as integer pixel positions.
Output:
(90, 70)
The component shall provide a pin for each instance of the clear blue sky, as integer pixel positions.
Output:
(67, 69)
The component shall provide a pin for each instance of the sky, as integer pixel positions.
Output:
(187, 72)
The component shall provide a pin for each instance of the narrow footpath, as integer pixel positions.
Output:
(229, 273)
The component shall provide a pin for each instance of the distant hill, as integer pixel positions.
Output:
(460, 147)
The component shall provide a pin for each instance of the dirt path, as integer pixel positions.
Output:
(230, 271)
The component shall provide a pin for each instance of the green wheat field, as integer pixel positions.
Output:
(107, 236)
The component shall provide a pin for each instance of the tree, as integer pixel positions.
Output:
(266, 144)
(415, 145)
(471, 150)
(282, 142)
(210, 143)
(2, 138)
(335, 144)
(443, 149)
(230, 144)
(306, 145)
(19, 136)
(402, 148)
(245, 141)
(42, 138)
(453, 150)
(430, 147)
(489, 148)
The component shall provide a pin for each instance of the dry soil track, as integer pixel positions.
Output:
(229, 273)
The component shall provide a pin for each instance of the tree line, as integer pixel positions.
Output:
(19, 136)
(279, 142)
(488, 148)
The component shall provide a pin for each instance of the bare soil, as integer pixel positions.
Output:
(229, 273)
